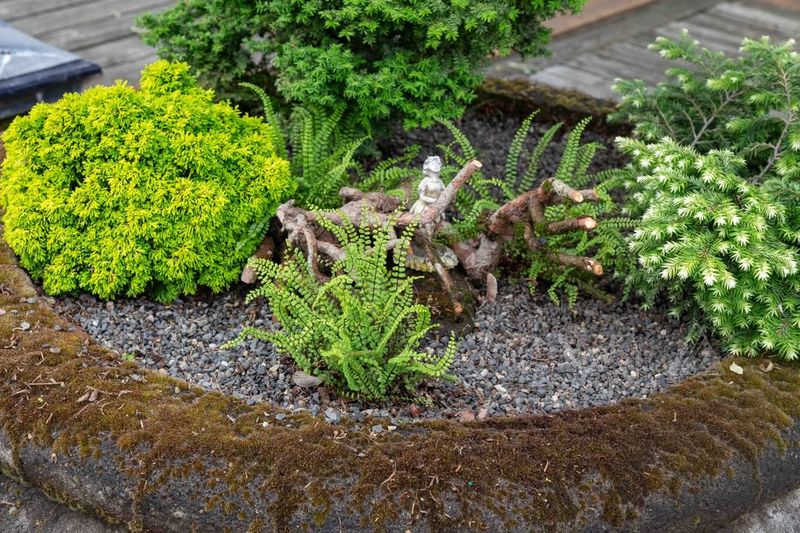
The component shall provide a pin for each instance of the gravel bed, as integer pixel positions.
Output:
(526, 354)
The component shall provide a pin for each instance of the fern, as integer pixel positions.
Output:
(359, 332)
(272, 119)
(482, 195)
(391, 173)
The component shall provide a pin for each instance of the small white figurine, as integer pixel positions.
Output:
(431, 185)
(429, 190)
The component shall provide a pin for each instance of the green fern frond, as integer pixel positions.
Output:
(358, 332)
(272, 118)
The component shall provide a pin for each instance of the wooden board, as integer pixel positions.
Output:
(101, 31)
(590, 60)
(13, 10)
(593, 12)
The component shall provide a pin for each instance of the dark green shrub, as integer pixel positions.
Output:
(378, 59)
(117, 191)
(359, 332)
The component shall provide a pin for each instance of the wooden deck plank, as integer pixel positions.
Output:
(92, 33)
(610, 67)
(575, 79)
(593, 12)
(636, 55)
(789, 6)
(13, 10)
(96, 13)
(749, 14)
(120, 51)
(708, 38)
(128, 71)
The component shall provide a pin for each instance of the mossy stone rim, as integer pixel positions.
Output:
(137, 447)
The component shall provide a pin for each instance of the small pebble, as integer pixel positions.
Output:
(332, 415)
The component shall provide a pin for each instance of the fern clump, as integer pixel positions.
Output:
(359, 332)
(322, 152)
(379, 60)
(606, 243)
(712, 239)
(117, 191)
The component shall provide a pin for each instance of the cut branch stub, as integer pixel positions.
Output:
(584, 223)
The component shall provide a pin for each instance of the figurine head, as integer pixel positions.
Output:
(432, 166)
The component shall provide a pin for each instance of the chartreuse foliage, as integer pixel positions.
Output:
(117, 191)
(360, 331)
(606, 243)
(376, 59)
(322, 153)
(711, 239)
(717, 188)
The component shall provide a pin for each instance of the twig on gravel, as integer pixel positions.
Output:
(45, 383)
(76, 415)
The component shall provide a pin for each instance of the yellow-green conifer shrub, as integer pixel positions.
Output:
(118, 191)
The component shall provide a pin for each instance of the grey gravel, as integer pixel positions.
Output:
(526, 355)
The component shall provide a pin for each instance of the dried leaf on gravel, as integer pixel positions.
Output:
(301, 379)
(466, 416)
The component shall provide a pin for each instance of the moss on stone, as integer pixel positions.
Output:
(556, 104)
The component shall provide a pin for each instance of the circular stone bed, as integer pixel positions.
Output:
(525, 355)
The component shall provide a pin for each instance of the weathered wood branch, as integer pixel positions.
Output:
(529, 209)
(479, 256)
